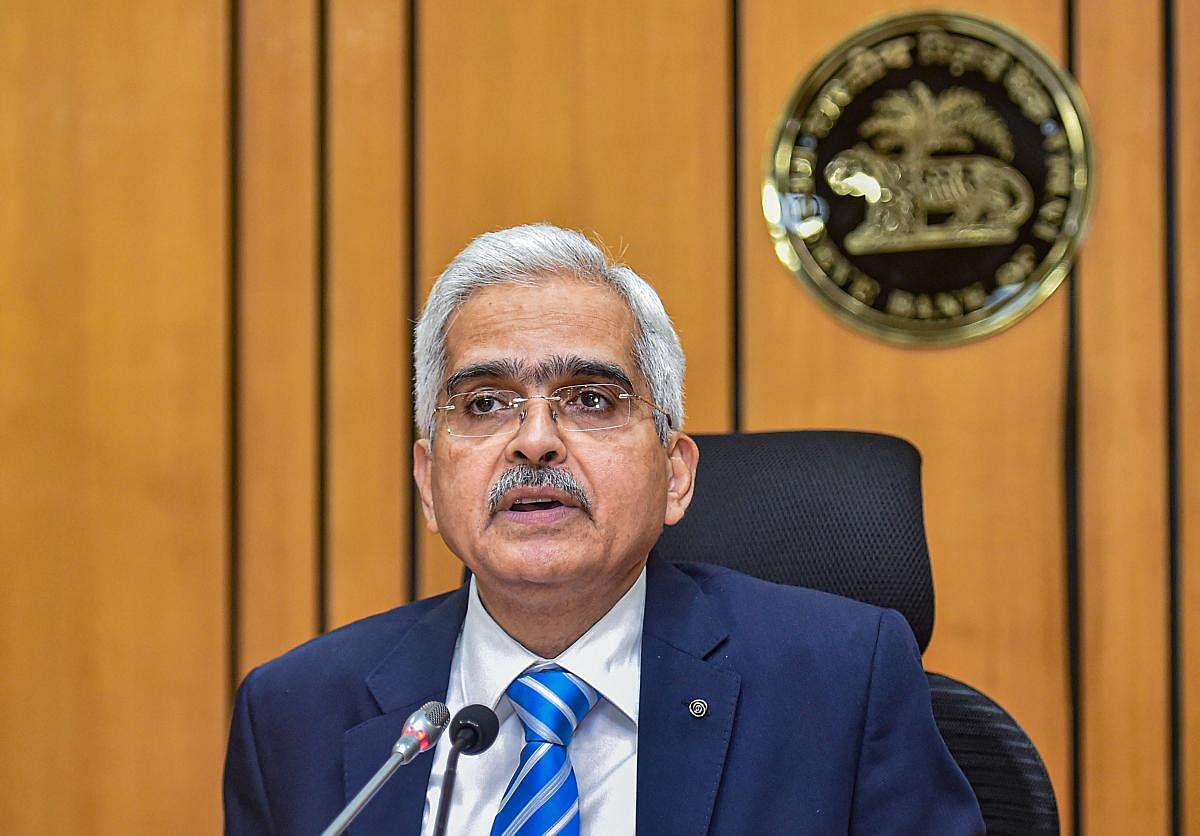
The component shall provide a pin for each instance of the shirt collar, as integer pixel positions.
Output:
(608, 656)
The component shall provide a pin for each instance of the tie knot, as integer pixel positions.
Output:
(551, 703)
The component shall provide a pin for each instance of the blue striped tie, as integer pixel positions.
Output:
(543, 798)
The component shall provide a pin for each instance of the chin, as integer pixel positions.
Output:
(536, 564)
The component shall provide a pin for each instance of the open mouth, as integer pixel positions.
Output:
(523, 505)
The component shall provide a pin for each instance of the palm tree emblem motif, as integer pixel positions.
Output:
(922, 186)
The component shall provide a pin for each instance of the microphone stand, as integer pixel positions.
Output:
(473, 730)
(421, 731)
(339, 825)
(448, 778)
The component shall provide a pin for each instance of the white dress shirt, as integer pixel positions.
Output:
(603, 751)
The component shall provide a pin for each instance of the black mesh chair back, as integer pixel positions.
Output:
(836, 511)
(998, 758)
(842, 512)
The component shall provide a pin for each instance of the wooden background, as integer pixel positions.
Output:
(217, 220)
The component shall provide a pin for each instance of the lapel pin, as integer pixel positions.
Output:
(698, 708)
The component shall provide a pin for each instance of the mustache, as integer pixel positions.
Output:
(524, 476)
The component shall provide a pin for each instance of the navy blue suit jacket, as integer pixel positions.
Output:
(818, 718)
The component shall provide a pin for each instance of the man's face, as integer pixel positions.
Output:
(533, 340)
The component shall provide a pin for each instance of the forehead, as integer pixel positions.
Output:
(529, 325)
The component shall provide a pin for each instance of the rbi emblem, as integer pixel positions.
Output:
(931, 179)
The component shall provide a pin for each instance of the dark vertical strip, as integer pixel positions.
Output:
(412, 263)
(1171, 207)
(1071, 495)
(735, 214)
(322, 315)
(1074, 605)
(233, 348)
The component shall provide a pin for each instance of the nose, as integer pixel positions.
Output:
(538, 439)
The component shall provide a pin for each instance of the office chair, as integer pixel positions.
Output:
(842, 512)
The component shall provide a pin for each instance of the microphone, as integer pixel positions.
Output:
(421, 730)
(472, 731)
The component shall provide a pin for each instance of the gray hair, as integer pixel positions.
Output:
(523, 255)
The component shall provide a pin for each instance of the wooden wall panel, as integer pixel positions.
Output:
(1187, 222)
(987, 416)
(113, 317)
(368, 310)
(277, 359)
(612, 118)
(1123, 427)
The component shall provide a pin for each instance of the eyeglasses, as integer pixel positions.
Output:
(584, 407)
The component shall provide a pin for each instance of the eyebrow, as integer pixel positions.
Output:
(553, 368)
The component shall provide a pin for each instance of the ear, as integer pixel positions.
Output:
(423, 475)
(683, 456)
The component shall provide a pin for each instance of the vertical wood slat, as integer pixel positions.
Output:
(368, 291)
(611, 118)
(986, 416)
(1187, 150)
(276, 331)
(113, 324)
(1122, 427)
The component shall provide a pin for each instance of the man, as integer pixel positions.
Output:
(631, 693)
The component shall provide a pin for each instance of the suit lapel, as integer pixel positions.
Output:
(681, 756)
(415, 672)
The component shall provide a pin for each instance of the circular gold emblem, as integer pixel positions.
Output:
(931, 179)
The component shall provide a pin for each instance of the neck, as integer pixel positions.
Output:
(547, 621)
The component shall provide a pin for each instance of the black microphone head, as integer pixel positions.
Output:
(474, 729)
